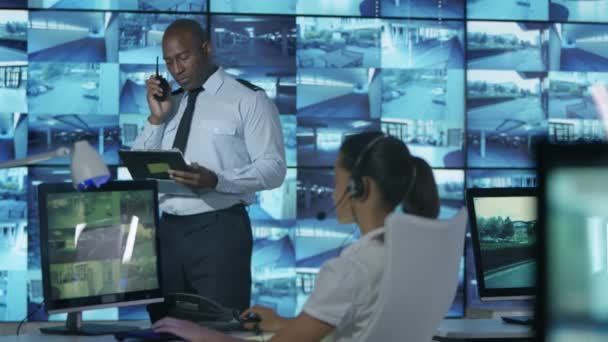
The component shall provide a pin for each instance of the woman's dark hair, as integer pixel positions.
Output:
(401, 177)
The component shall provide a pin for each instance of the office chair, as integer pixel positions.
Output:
(420, 278)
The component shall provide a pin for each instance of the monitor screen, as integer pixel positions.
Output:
(573, 240)
(503, 231)
(99, 246)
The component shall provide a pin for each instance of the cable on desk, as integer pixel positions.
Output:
(258, 331)
(28, 317)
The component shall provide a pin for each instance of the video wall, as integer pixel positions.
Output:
(469, 86)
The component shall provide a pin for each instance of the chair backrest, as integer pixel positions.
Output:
(420, 278)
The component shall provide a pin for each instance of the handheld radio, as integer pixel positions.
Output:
(163, 84)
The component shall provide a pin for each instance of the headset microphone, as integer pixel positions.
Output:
(355, 182)
(322, 215)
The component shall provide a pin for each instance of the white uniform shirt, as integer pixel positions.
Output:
(235, 133)
(347, 287)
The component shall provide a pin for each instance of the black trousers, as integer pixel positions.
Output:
(208, 254)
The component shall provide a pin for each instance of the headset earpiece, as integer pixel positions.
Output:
(355, 187)
(355, 184)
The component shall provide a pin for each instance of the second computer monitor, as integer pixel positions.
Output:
(98, 248)
(503, 232)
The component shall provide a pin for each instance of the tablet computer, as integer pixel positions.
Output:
(144, 164)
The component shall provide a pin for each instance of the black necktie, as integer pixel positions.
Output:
(181, 137)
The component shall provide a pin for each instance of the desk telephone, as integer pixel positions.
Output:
(201, 310)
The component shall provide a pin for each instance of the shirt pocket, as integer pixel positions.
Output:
(222, 134)
(218, 128)
(221, 128)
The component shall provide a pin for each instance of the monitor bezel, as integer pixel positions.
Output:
(549, 158)
(511, 293)
(53, 306)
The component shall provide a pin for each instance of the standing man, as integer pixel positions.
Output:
(231, 134)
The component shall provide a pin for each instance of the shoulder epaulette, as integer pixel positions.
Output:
(249, 84)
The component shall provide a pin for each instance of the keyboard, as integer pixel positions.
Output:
(146, 335)
(223, 326)
(523, 320)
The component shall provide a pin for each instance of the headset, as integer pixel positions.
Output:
(355, 187)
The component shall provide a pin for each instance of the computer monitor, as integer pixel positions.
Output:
(572, 304)
(98, 249)
(503, 234)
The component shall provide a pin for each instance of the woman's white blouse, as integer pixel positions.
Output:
(347, 287)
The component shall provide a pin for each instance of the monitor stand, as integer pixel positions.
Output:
(74, 326)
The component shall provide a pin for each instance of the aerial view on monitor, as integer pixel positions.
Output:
(101, 243)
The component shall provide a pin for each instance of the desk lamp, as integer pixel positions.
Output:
(87, 167)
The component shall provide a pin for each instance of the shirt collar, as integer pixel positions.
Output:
(215, 81)
(364, 240)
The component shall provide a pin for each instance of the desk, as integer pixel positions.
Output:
(30, 333)
(449, 329)
(461, 329)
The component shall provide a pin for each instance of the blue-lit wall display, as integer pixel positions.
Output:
(260, 6)
(521, 46)
(579, 10)
(65, 36)
(140, 35)
(13, 135)
(253, 40)
(468, 85)
(88, 85)
(453, 9)
(13, 38)
(13, 244)
(506, 115)
(49, 131)
(508, 9)
(338, 42)
(425, 109)
(273, 263)
(127, 5)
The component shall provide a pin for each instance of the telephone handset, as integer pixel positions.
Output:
(190, 307)
(164, 84)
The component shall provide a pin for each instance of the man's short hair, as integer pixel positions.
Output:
(184, 26)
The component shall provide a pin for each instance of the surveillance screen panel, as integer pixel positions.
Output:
(506, 228)
(508, 9)
(452, 9)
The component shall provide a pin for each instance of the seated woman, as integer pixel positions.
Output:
(374, 173)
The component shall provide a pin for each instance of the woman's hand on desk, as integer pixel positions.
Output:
(270, 321)
(189, 331)
(196, 177)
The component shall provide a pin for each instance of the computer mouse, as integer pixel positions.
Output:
(251, 317)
